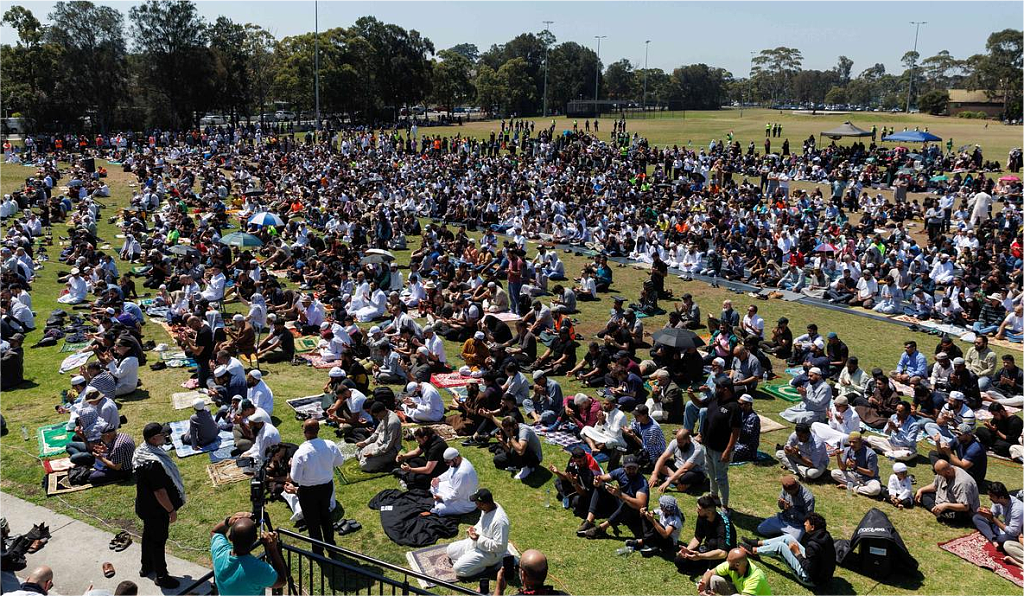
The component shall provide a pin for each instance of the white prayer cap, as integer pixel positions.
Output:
(450, 454)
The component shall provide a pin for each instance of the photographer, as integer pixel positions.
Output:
(235, 569)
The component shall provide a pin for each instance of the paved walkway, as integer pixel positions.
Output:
(76, 553)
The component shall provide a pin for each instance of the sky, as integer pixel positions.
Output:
(717, 33)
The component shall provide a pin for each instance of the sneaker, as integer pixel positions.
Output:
(586, 525)
(167, 582)
(523, 474)
(595, 532)
(648, 551)
(747, 540)
(633, 544)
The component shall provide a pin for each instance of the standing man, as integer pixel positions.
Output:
(312, 477)
(159, 493)
(719, 437)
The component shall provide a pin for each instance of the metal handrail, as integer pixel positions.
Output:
(407, 588)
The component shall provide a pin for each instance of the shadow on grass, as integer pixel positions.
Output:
(538, 478)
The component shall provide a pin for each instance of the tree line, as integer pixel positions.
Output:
(165, 65)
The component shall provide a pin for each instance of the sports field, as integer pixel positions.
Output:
(577, 566)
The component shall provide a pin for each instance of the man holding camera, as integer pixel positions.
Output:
(235, 570)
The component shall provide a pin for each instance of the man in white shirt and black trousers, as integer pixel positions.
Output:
(312, 477)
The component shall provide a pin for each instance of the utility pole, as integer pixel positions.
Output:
(647, 44)
(597, 70)
(316, 65)
(547, 27)
(910, 86)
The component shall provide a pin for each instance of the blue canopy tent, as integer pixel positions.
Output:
(912, 136)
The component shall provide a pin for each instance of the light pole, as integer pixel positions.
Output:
(647, 44)
(597, 70)
(547, 26)
(910, 85)
(316, 66)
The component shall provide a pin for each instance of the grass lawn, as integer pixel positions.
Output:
(573, 561)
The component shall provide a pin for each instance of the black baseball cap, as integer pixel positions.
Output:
(630, 460)
(151, 430)
(483, 496)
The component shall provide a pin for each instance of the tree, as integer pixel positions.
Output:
(517, 85)
(843, 68)
(572, 72)
(941, 71)
(530, 48)
(810, 86)
(934, 102)
(92, 75)
(999, 73)
(231, 83)
(489, 89)
(836, 95)
(700, 87)
(777, 67)
(401, 69)
(621, 81)
(30, 70)
(259, 52)
(466, 50)
(171, 38)
(451, 79)
(293, 71)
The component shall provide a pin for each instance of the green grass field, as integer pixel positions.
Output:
(577, 566)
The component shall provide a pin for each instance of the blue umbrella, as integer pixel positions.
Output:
(266, 219)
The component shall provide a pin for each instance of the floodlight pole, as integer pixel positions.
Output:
(910, 85)
(597, 69)
(316, 66)
(647, 44)
(547, 26)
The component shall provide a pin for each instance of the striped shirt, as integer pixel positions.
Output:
(651, 435)
(89, 420)
(106, 383)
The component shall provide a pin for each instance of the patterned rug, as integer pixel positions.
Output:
(225, 472)
(57, 484)
(53, 439)
(184, 399)
(74, 361)
(433, 561)
(305, 343)
(57, 465)
(311, 404)
(351, 473)
(172, 354)
(558, 437)
(973, 548)
(781, 390)
(318, 361)
(448, 380)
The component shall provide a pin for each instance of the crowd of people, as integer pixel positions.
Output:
(492, 215)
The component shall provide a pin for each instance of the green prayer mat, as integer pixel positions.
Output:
(781, 390)
(73, 347)
(305, 344)
(53, 439)
(351, 473)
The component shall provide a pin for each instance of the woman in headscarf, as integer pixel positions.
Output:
(661, 528)
(257, 310)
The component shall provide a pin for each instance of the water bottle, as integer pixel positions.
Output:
(547, 500)
(625, 551)
(24, 433)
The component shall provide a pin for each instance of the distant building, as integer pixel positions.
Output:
(962, 100)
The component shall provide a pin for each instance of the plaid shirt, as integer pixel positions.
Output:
(106, 383)
(120, 452)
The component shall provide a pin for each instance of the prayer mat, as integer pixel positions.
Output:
(760, 458)
(507, 317)
(184, 399)
(305, 343)
(141, 269)
(180, 363)
(783, 391)
(178, 430)
(449, 380)
(1002, 343)
(57, 465)
(225, 472)
(459, 393)
(311, 404)
(318, 361)
(558, 437)
(167, 327)
(974, 548)
(223, 454)
(74, 361)
(173, 355)
(351, 473)
(53, 439)
(192, 383)
(433, 561)
(906, 319)
(795, 371)
(57, 484)
(445, 431)
(73, 347)
(768, 425)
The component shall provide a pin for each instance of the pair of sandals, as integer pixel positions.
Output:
(347, 526)
(120, 542)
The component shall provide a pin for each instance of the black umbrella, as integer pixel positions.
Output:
(181, 249)
(255, 193)
(677, 338)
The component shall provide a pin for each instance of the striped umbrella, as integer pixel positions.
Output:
(266, 219)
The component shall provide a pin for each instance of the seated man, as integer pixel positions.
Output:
(422, 403)
(1001, 432)
(964, 452)
(575, 485)
(1007, 385)
(795, 503)
(681, 464)
(912, 364)
(662, 527)
(631, 495)
(110, 457)
(953, 413)
(644, 437)
(952, 497)
(453, 488)
(811, 557)
(903, 429)
(1003, 521)
(378, 451)
(425, 462)
(202, 429)
(607, 432)
(486, 541)
(737, 575)
(816, 396)
(842, 420)
(518, 447)
(804, 454)
(713, 536)
(858, 468)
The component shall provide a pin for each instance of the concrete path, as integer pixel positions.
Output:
(76, 553)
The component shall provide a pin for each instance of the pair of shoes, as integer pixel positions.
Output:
(523, 473)
(167, 581)
(633, 544)
(595, 532)
(648, 551)
(347, 526)
(748, 541)
(586, 525)
(144, 572)
(120, 542)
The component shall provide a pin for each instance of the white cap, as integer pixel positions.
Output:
(422, 350)
(718, 361)
(324, 326)
(256, 374)
(337, 373)
(538, 374)
(78, 380)
(238, 317)
(271, 317)
(959, 360)
(375, 329)
(942, 355)
(746, 398)
(899, 467)
(478, 335)
(260, 415)
(450, 453)
(957, 395)
(220, 371)
(815, 370)
(411, 387)
(199, 404)
(75, 271)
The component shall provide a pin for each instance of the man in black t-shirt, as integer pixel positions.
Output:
(424, 463)
(719, 433)
(200, 348)
(279, 345)
(159, 494)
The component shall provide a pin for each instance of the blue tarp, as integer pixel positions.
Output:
(912, 136)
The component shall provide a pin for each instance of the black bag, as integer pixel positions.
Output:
(79, 475)
(875, 549)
